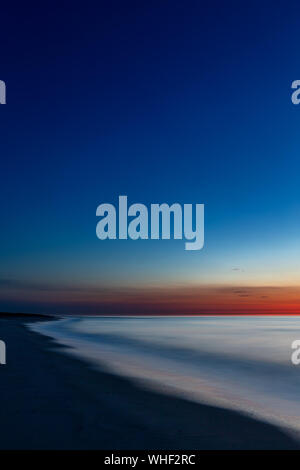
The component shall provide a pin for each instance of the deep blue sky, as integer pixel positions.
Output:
(165, 101)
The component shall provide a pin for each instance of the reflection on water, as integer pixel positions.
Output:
(238, 362)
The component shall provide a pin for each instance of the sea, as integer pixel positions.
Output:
(235, 362)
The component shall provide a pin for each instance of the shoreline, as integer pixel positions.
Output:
(55, 401)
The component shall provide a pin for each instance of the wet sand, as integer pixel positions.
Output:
(50, 400)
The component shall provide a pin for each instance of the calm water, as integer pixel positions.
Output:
(242, 363)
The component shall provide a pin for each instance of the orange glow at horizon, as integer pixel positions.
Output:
(179, 300)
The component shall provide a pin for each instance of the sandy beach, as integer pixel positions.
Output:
(50, 400)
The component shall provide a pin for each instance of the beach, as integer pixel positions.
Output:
(51, 400)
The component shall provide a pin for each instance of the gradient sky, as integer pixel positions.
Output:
(168, 101)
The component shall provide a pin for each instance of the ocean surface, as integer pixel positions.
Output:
(241, 363)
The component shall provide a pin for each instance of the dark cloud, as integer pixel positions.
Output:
(16, 284)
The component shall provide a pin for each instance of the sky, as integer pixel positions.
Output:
(172, 101)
